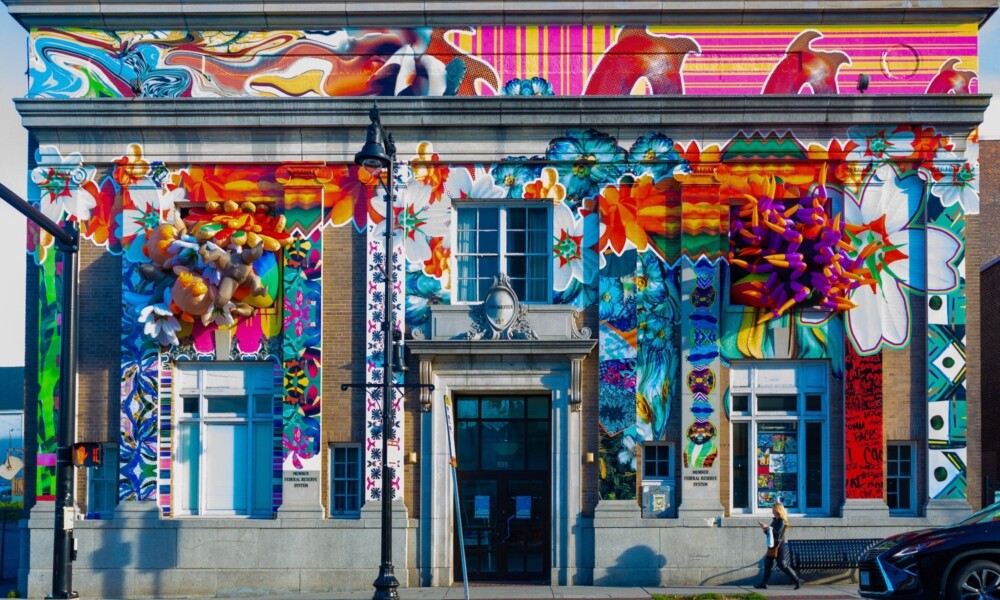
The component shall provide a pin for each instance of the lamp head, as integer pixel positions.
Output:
(398, 355)
(372, 155)
(864, 80)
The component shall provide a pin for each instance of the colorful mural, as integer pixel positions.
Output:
(628, 216)
(825, 225)
(616, 385)
(49, 345)
(302, 362)
(805, 334)
(701, 364)
(377, 346)
(863, 434)
(946, 342)
(505, 60)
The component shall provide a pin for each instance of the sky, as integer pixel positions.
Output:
(13, 166)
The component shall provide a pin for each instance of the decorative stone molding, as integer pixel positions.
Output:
(500, 316)
(303, 175)
(478, 129)
(426, 375)
(527, 334)
(580, 333)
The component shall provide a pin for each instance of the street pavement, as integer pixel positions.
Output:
(540, 592)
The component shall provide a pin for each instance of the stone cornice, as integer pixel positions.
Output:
(472, 129)
(426, 349)
(322, 14)
(400, 114)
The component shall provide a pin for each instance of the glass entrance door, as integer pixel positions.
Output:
(503, 481)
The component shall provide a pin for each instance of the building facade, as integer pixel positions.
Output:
(663, 268)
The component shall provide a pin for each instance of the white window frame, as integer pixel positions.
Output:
(102, 484)
(502, 243)
(206, 381)
(910, 477)
(346, 514)
(781, 377)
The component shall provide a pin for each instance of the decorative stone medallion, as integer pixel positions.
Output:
(501, 316)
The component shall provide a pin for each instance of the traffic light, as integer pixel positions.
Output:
(88, 454)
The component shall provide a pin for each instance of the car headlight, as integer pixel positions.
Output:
(911, 550)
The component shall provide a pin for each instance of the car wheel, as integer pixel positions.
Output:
(977, 579)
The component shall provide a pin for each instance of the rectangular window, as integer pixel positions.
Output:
(345, 480)
(224, 438)
(658, 499)
(778, 464)
(513, 240)
(900, 481)
(741, 465)
(657, 461)
(102, 485)
(780, 449)
(814, 465)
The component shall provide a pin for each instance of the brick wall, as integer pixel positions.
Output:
(987, 224)
(990, 352)
(989, 200)
(344, 321)
(98, 357)
(973, 374)
(99, 353)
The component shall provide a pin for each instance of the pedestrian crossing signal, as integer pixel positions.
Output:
(88, 454)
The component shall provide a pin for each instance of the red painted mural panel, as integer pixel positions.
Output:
(863, 420)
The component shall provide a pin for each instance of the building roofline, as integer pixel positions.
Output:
(476, 129)
(759, 111)
(313, 14)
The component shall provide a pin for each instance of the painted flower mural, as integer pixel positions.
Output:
(956, 178)
(634, 214)
(882, 218)
(536, 86)
(768, 266)
(586, 161)
(881, 143)
(656, 154)
(514, 172)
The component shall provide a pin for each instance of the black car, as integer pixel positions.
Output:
(959, 561)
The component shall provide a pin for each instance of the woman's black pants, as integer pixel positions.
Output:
(782, 564)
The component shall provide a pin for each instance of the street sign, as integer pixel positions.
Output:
(88, 454)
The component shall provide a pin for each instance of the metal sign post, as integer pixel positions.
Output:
(453, 461)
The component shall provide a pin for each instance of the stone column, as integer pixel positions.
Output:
(302, 360)
(704, 221)
(864, 436)
(947, 461)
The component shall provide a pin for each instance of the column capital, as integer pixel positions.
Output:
(700, 174)
(304, 174)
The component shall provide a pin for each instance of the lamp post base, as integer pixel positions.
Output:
(386, 584)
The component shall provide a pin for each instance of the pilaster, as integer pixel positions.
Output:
(704, 221)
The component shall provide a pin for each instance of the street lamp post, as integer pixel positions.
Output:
(378, 153)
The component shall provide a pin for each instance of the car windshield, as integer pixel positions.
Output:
(987, 515)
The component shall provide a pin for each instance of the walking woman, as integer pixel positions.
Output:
(777, 550)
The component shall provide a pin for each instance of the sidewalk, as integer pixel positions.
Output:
(533, 592)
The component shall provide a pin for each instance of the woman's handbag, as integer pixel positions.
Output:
(772, 552)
